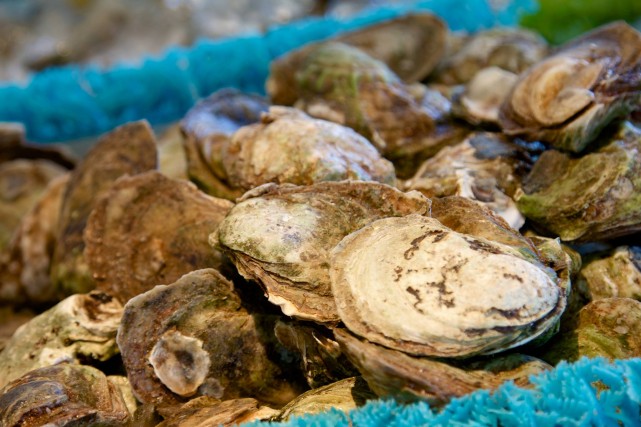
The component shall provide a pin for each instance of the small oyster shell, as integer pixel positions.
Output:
(392, 373)
(62, 395)
(281, 236)
(343, 395)
(206, 411)
(570, 96)
(322, 360)
(511, 49)
(342, 84)
(616, 273)
(148, 230)
(193, 338)
(484, 167)
(410, 46)
(592, 197)
(79, 327)
(414, 285)
(608, 327)
(129, 149)
(25, 266)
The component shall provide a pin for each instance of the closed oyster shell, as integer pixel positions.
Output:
(569, 97)
(592, 197)
(81, 327)
(148, 230)
(127, 150)
(193, 338)
(207, 411)
(484, 167)
(414, 285)
(616, 273)
(343, 395)
(281, 237)
(392, 373)
(62, 395)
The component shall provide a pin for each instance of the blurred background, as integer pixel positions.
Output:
(36, 34)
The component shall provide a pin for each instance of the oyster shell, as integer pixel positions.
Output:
(148, 230)
(616, 273)
(343, 395)
(62, 395)
(511, 49)
(410, 46)
(414, 285)
(322, 360)
(193, 338)
(569, 97)
(207, 411)
(484, 167)
(81, 327)
(342, 84)
(608, 327)
(25, 266)
(592, 197)
(392, 373)
(129, 149)
(281, 236)
(207, 128)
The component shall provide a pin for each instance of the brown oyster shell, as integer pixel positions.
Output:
(81, 327)
(207, 411)
(569, 97)
(414, 285)
(26, 264)
(194, 338)
(62, 395)
(148, 230)
(392, 373)
(281, 237)
(128, 149)
(410, 46)
(616, 273)
(343, 395)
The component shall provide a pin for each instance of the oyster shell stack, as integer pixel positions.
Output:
(424, 215)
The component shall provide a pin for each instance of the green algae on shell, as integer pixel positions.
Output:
(281, 237)
(592, 197)
(411, 284)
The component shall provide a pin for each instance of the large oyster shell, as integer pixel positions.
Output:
(148, 230)
(596, 196)
(194, 338)
(570, 96)
(282, 236)
(414, 285)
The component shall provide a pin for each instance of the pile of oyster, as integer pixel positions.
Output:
(413, 213)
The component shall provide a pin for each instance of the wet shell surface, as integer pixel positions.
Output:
(414, 285)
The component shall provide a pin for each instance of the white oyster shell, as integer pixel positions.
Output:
(415, 285)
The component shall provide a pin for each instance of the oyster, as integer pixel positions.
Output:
(62, 395)
(148, 230)
(172, 159)
(343, 395)
(322, 360)
(484, 167)
(281, 236)
(410, 46)
(592, 197)
(392, 373)
(511, 49)
(13, 146)
(22, 183)
(129, 149)
(569, 97)
(616, 273)
(25, 266)
(193, 338)
(81, 327)
(415, 285)
(207, 411)
(207, 128)
(608, 327)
